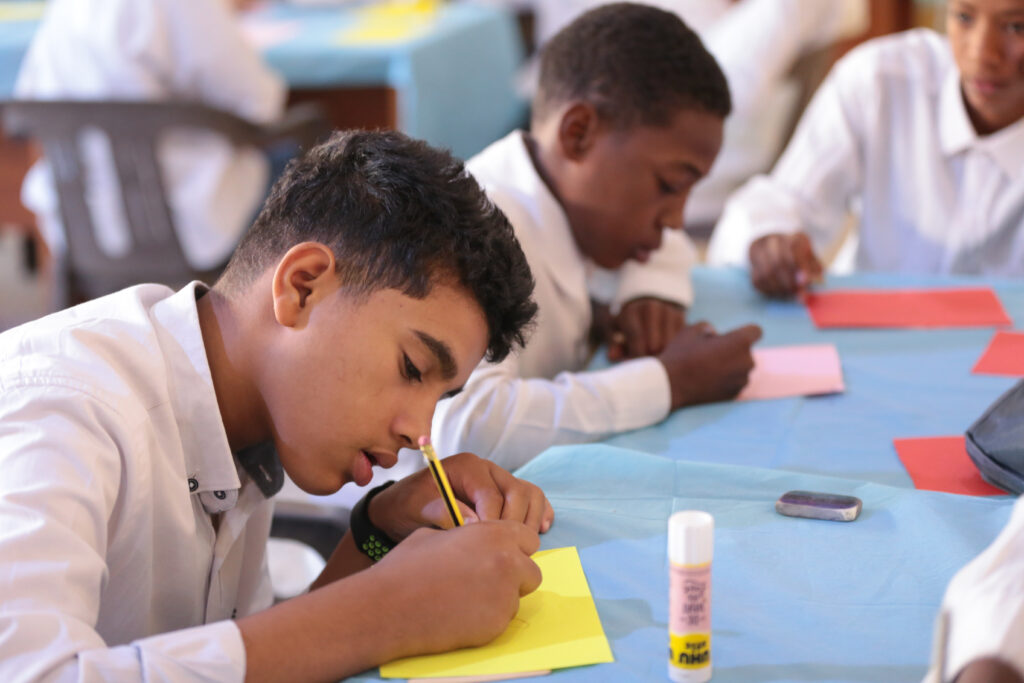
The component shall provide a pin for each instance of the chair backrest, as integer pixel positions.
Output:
(132, 128)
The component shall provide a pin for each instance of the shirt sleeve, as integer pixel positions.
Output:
(665, 276)
(509, 419)
(60, 472)
(813, 186)
(985, 603)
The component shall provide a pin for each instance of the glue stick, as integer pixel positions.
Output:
(690, 543)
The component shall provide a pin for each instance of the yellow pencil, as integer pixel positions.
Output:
(441, 479)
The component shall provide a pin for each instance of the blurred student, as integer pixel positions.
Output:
(143, 434)
(191, 50)
(921, 137)
(627, 119)
(984, 604)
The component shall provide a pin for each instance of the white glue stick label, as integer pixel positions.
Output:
(690, 616)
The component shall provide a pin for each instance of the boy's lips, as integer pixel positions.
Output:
(986, 87)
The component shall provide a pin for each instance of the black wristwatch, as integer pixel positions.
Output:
(370, 540)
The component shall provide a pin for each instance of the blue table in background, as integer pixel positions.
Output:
(451, 72)
(796, 600)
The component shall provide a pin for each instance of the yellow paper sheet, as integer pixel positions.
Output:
(390, 23)
(21, 11)
(556, 626)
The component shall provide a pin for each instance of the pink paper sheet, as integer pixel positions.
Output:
(794, 371)
(973, 307)
(941, 463)
(1004, 356)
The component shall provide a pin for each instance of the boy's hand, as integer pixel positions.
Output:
(457, 588)
(782, 265)
(643, 327)
(484, 491)
(704, 367)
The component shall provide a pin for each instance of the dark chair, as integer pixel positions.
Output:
(133, 128)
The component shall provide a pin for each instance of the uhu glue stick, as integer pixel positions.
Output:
(690, 543)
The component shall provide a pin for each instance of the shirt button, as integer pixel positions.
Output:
(193, 484)
(220, 495)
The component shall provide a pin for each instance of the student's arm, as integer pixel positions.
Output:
(59, 474)
(812, 187)
(214, 62)
(985, 604)
(509, 419)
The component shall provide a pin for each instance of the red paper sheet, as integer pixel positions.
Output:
(978, 307)
(941, 463)
(1004, 356)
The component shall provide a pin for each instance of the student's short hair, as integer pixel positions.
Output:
(398, 214)
(636, 64)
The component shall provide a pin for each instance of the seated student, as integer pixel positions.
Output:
(922, 136)
(984, 604)
(191, 50)
(135, 482)
(627, 118)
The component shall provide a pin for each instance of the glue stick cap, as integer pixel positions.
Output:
(691, 537)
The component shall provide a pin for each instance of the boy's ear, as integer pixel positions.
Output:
(304, 276)
(577, 130)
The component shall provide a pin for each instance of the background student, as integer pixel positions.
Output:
(921, 137)
(627, 118)
(143, 434)
(191, 50)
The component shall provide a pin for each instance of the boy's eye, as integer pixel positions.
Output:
(412, 373)
(962, 17)
(666, 188)
(1016, 28)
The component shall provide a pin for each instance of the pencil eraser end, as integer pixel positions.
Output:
(424, 441)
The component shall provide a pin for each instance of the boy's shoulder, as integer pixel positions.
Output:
(109, 348)
(916, 58)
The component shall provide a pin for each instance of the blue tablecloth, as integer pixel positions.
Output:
(453, 80)
(793, 599)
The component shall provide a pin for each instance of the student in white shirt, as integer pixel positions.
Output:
(984, 604)
(757, 43)
(189, 50)
(138, 435)
(922, 137)
(627, 118)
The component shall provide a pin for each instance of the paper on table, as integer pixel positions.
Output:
(941, 463)
(1004, 356)
(971, 307)
(794, 371)
(556, 626)
(390, 23)
(21, 11)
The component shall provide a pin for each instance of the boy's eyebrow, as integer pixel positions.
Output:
(442, 352)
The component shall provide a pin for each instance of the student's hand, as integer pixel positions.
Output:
(704, 367)
(643, 327)
(485, 491)
(782, 265)
(456, 588)
(989, 670)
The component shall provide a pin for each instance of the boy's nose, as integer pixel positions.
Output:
(413, 423)
(985, 46)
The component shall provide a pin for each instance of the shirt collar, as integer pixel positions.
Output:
(210, 464)
(957, 134)
(559, 244)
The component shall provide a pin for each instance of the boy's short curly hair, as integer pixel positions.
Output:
(397, 214)
(636, 64)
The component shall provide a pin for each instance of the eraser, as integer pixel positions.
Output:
(814, 505)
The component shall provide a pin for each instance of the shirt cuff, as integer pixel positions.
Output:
(639, 392)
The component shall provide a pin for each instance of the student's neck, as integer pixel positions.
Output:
(225, 341)
(542, 162)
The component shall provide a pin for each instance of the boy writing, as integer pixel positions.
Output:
(627, 118)
(923, 137)
(134, 476)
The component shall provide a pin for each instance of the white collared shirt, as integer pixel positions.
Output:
(112, 459)
(985, 604)
(541, 396)
(191, 50)
(888, 137)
